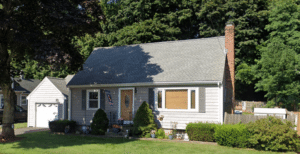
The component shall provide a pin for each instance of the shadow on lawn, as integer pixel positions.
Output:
(45, 140)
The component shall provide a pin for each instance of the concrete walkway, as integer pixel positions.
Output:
(21, 131)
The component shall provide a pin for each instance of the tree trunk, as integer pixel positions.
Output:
(8, 93)
(8, 113)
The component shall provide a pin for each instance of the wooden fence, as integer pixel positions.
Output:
(298, 125)
(239, 118)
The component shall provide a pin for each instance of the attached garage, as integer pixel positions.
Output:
(48, 102)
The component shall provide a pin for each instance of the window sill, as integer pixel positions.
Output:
(176, 110)
(92, 108)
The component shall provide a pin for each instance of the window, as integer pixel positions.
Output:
(1, 101)
(177, 99)
(93, 99)
(23, 100)
(159, 101)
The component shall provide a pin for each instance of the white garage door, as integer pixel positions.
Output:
(45, 113)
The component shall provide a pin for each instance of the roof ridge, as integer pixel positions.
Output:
(172, 41)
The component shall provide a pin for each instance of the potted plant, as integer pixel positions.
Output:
(153, 133)
(174, 131)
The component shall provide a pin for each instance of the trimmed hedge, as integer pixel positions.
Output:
(201, 131)
(143, 121)
(273, 134)
(60, 125)
(100, 123)
(232, 135)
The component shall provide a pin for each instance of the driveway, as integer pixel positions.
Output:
(28, 130)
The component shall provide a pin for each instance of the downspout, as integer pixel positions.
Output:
(69, 106)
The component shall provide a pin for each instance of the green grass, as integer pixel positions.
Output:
(43, 142)
(19, 125)
(247, 113)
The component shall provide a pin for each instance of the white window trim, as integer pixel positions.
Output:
(177, 88)
(1, 96)
(21, 100)
(88, 99)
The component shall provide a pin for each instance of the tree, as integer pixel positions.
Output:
(250, 18)
(279, 65)
(42, 31)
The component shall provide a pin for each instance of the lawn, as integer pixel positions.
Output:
(19, 125)
(43, 142)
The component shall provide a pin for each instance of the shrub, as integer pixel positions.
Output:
(148, 135)
(143, 121)
(60, 125)
(273, 134)
(160, 134)
(232, 135)
(100, 123)
(201, 131)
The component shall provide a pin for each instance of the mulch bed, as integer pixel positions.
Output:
(10, 139)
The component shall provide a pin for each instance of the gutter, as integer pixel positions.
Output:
(140, 84)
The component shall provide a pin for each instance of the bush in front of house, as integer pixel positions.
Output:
(100, 123)
(143, 121)
(160, 134)
(273, 134)
(232, 135)
(201, 131)
(60, 125)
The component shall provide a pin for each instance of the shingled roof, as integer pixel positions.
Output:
(60, 83)
(191, 60)
(25, 85)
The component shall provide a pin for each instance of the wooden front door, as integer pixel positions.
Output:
(126, 104)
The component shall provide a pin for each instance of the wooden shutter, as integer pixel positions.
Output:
(151, 98)
(176, 99)
(83, 107)
(102, 99)
(202, 99)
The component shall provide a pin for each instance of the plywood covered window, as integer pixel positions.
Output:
(177, 99)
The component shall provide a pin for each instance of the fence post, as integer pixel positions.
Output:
(225, 118)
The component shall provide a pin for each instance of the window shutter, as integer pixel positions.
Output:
(83, 99)
(202, 99)
(102, 99)
(151, 98)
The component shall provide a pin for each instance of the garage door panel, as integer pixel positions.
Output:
(45, 112)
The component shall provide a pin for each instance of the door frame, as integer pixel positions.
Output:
(35, 120)
(119, 104)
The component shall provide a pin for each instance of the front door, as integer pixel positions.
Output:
(126, 104)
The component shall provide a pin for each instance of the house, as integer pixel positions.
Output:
(22, 87)
(48, 101)
(183, 81)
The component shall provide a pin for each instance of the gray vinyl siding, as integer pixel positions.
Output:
(211, 112)
(210, 115)
(84, 117)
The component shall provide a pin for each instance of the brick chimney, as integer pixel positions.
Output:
(229, 68)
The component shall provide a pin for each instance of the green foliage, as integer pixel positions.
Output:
(278, 66)
(270, 104)
(148, 135)
(273, 134)
(160, 134)
(201, 131)
(232, 135)
(100, 123)
(143, 121)
(60, 125)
